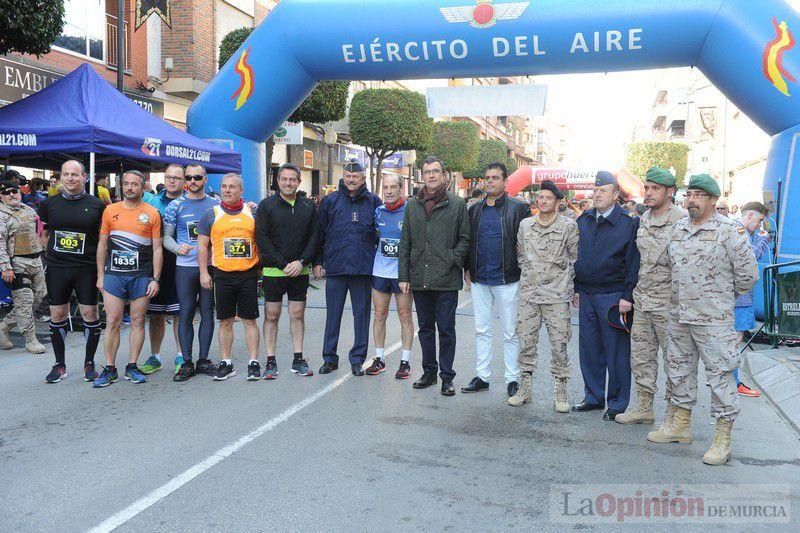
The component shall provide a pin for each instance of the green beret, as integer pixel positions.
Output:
(706, 183)
(660, 176)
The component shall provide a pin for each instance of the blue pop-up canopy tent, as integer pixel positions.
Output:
(83, 115)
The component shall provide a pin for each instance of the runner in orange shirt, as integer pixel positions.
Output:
(129, 260)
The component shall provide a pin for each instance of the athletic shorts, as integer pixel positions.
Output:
(744, 318)
(61, 281)
(236, 296)
(166, 301)
(386, 285)
(276, 287)
(125, 287)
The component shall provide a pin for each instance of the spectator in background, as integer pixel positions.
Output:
(753, 214)
(585, 205)
(102, 189)
(35, 197)
(640, 209)
(629, 206)
(734, 210)
(477, 196)
(722, 208)
(159, 187)
(55, 184)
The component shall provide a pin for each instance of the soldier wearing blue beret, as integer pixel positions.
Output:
(605, 275)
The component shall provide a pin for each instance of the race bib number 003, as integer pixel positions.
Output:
(390, 248)
(124, 261)
(191, 230)
(237, 248)
(69, 242)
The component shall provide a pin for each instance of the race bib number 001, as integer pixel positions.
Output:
(124, 261)
(69, 242)
(237, 248)
(390, 248)
(191, 230)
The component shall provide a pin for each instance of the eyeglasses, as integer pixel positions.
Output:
(195, 177)
(173, 178)
(697, 195)
(8, 192)
(722, 209)
(432, 172)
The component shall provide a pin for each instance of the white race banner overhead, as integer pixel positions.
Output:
(289, 133)
(487, 101)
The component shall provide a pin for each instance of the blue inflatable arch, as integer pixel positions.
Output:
(745, 47)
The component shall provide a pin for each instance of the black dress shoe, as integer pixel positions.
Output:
(328, 367)
(611, 414)
(476, 385)
(586, 406)
(512, 388)
(449, 390)
(357, 369)
(425, 381)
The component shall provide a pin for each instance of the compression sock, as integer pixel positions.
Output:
(91, 335)
(58, 337)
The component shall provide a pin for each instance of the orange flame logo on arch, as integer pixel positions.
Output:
(247, 80)
(773, 57)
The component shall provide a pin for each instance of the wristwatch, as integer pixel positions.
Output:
(302, 261)
(156, 280)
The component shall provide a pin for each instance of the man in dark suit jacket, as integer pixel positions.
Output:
(605, 275)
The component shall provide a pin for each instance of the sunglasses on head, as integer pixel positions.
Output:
(7, 192)
(195, 177)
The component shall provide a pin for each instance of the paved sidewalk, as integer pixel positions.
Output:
(777, 373)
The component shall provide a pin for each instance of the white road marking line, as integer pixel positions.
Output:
(182, 479)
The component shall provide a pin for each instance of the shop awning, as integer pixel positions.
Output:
(82, 114)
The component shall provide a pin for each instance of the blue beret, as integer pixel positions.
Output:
(354, 166)
(605, 178)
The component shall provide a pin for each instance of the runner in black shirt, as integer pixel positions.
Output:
(72, 225)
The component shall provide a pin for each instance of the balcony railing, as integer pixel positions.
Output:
(111, 43)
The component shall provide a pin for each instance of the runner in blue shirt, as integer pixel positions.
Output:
(180, 237)
(389, 224)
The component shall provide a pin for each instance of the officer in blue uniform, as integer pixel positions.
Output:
(347, 244)
(605, 274)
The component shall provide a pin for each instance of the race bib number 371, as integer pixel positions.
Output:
(237, 248)
(69, 242)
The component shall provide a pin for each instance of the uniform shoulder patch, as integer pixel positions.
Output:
(631, 214)
(741, 231)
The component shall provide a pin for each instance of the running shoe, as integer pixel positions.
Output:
(151, 365)
(89, 373)
(253, 371)
(106, 378)
(224, 371)
(57, 373)
(178, 362)
(404, 371)
(185, 372)
(376, 367)
(205, 366)
(271, 370)
(300, 367)
(744, 390)
(126, 319)
(134, 374)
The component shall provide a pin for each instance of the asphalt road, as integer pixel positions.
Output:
(340, 453)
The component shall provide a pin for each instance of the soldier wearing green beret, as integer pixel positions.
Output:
(652, 293)
(712, 263)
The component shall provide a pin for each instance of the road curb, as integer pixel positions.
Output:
(777, 375)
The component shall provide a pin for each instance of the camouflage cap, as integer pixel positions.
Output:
(661, 176)
(706, 183)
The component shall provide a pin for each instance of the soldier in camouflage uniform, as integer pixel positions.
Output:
(20, 249)
(652, 293)
(712, 263)
(547, 248)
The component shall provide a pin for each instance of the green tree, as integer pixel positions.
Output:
(457, 144)
(231, 42)
(491, 151)
(388, 120)
(30, 26)
(643, 155)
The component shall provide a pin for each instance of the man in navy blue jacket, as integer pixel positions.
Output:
(347, 245)
(605, 274)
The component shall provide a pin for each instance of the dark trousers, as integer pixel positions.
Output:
(603, 349)
(336, 289)
(437, 309)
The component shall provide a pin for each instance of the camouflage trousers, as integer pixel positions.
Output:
(556, 319)
(716, 347)
(28, 289)
(648, 334)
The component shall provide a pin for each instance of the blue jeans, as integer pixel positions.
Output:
(603, 349)
(437, 310)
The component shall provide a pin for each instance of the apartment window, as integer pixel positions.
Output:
(84, 28)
